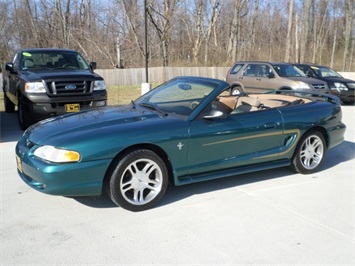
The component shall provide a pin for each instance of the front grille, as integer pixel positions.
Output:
(318, 86)
(69, 87)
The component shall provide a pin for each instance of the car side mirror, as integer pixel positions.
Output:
(271, 75)
(215, 113)
(93, 65)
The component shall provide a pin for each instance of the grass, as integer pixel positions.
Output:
(116, 95)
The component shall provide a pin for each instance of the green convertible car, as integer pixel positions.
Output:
(187, 130)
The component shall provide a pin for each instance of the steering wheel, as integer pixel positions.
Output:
(68, 65)
(194, 104)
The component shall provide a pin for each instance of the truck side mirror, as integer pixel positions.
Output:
(10, 67)
(93, 65)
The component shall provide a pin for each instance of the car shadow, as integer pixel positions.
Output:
(341, 153)
(9, 127)
(177, 193)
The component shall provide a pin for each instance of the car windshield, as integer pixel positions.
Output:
(36, 60)
(288, 71)
(178, 96)
(325, 72)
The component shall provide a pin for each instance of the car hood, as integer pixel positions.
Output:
(306, 80)
(337, 79)
(49, 74)
(93, 124)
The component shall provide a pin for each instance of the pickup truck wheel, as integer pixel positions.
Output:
(9, 106)
(138, 180)
(23, 118)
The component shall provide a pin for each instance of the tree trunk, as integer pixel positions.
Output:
(304, 30)
(289, 29)
(349, 4)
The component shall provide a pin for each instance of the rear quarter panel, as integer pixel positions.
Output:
(323, 116)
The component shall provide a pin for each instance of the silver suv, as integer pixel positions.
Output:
(251, 76)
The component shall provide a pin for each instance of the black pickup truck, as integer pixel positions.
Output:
(45, 82)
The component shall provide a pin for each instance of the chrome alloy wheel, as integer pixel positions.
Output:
(312, 152)
(141, 181)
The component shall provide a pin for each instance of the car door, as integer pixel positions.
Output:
(266, 78)
(255, 78)
(248, 78)
(238, 140)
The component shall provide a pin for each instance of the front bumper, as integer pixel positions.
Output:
(66, 179)
(41, 106)
(345, 96)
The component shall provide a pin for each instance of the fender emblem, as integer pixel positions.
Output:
(180, 146)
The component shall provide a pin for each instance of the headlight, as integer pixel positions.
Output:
(99, 85)
(351, 85)
(35, 87)
(301, 85)
(53, 154)
(340, 86)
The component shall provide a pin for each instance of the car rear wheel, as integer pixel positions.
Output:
(236, 91)
(138, 180)
(309, 154)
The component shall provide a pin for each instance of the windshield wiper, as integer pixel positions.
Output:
(153, 107)
(133, 104)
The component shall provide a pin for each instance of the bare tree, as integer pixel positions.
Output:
(161, 14)
(185, 32)
(349, 7)
(304, 29)
(239, 10)
(131, 9)
(289, 28)
(212, 22)
(336, 12)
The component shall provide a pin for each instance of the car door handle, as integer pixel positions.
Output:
(270, 125)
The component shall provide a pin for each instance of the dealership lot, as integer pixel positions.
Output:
(268, 217)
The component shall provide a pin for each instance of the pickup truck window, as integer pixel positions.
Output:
(52, 60)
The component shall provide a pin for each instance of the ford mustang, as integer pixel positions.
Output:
(186, 130)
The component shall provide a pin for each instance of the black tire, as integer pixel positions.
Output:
(309, 154)
(138, 180)
(236, 91)
(23, 118)
(9, 106)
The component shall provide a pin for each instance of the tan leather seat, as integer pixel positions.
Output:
(228, 103)
(247, 104)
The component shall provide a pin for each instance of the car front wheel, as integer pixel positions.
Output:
(138, 181)
(309, 154)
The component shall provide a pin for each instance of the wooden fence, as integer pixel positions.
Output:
(136, 76)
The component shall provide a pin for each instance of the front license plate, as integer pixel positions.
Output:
(19, 163)
(73, 107)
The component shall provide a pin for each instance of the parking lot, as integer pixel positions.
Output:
(269, 217)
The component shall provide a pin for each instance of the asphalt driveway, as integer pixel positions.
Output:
(269, 217)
